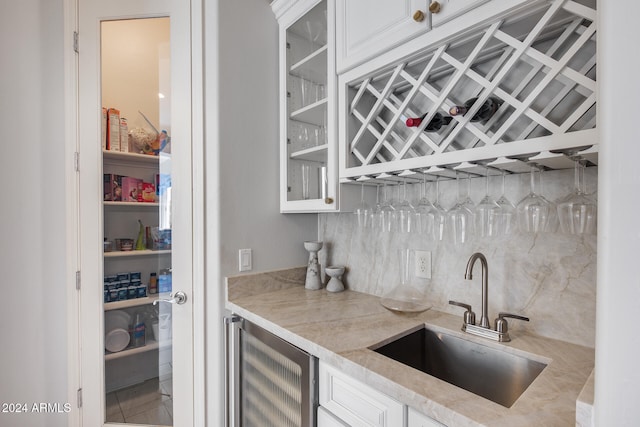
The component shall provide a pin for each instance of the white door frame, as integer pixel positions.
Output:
(77, 354)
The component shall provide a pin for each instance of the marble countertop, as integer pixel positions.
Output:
(340, 329)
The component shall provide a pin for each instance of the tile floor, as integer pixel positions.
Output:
(149, 402)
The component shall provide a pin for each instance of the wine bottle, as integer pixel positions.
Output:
(434, 125)
(483, 114)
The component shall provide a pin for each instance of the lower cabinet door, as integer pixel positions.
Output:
(327, 419)
(355, 403)
(416, 419)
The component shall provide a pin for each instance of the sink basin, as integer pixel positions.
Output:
(488, 372)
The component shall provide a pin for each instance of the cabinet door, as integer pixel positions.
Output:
(308, 154)
(327, 419)
(446, 10)
(356, 403)
(365, 28)
(416, 419)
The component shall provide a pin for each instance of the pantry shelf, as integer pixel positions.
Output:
(132, 204)
(135, 302)
(150, 346)
(118, 156)
(146, 252)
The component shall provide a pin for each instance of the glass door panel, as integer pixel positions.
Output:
(307, 106)
(135, 58)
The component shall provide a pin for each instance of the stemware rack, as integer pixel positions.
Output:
(540, 62)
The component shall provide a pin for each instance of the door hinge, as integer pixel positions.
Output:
(79, 398)
(75, 42)
(76, 161)
(78, 280)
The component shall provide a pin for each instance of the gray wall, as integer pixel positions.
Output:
(241, 146)
(33, 331)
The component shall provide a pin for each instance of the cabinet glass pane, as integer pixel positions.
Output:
(136, 97)
(307, 105)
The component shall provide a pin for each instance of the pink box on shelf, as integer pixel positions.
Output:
(130, 189)
(148, 192)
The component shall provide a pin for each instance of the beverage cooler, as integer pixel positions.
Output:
(269, 382)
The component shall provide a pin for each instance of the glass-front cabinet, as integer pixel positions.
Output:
(307, 108)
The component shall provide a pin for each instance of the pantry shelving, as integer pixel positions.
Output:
(149, 346)
(132, 204)
(140, 253)
(117, 305)
(122, 220)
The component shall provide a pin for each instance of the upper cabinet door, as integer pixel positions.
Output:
(446, 10)
(365, 28)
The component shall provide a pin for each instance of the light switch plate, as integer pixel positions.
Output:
(423, 264)
(244, 260)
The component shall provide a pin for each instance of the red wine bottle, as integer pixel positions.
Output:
(434, 125)
(483, 114)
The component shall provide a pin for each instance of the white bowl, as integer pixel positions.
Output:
(116, 340)
(116, 319)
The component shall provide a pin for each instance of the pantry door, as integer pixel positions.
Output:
(137, 253)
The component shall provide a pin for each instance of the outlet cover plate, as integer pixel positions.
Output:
(423, 264)
(244, 260)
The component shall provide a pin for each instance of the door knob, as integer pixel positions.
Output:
(434, 7)
(418, 16)
(177, 298)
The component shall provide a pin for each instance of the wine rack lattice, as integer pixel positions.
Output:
(541, 64)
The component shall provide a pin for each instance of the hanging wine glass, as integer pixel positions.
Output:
(459, 219)
(534, 211)
(486, 214)
(506, 215)
(362, 212)
(577, 212)
(405, 212)
(386, 213)
(424, 212)
(374, 213)
(437, 216)
(466, 196)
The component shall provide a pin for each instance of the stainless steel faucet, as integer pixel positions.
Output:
(483, 329)
(484, 319)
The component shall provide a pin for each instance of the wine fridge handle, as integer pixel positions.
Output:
(228, 325)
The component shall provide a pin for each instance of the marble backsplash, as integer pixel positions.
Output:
(548, 277)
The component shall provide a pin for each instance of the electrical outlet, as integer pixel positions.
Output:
(423, 264)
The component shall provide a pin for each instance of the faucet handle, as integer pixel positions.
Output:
(501, 322)
(469, 315)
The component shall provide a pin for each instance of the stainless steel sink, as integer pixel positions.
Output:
(488, 372)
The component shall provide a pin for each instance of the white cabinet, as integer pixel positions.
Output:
(365, 28)
(417, 419)
(538, 59)
(446, 10)
(327, 419)
(355, 403)
(308, 155)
